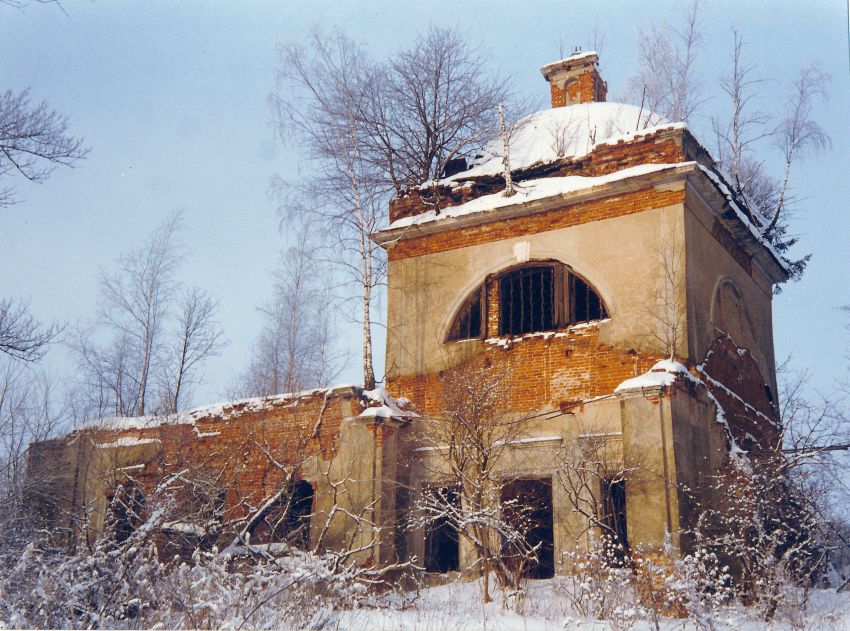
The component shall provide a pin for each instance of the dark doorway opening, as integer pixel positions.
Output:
(527, 506)
(442, 544)
(125, 511)
(402, 517)
(613, 517)
(289, 520)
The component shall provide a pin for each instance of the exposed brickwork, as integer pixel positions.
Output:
(232, 444)
(585, 88)
(739, 380)
(661, 147)
(547, 370)
(580, 213)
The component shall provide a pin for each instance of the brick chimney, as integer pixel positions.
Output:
(575, 79)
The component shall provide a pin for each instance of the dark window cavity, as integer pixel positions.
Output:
(289, 520)
(467, 324)
(527, 507)
(526, 300)
(125, 511)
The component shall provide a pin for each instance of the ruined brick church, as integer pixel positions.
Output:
(623, 287)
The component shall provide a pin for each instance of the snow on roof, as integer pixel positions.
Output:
(663, 373)
(387, 407)
(565, 132)
(223, 411)
(530, 190)
(128, 441)
(574, 57)
(720, 183)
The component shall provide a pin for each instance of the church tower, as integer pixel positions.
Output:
(624, 290)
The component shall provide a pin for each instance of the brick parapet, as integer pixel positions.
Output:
(659, 147)
(572, 215)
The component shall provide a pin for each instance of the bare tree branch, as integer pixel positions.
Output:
(33, 141)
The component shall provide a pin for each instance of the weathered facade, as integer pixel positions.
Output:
(624, 290)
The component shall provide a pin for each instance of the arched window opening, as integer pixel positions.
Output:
(545, 297)
(585, 304)
(468, 321)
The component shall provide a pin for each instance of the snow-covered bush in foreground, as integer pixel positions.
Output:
(126, 585)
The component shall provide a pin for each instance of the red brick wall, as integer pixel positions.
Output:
(742, 381)
(580, 213)
(233, 444)
(551, 369)
(587, 87)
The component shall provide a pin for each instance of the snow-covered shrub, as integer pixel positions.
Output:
(121, 581)
(599, 585)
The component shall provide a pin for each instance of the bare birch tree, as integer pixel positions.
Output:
(747, 129)
(435, 101)
(667, 79)
(798, 132)
(294, 350)
(321, 94)
(373, 129)
(131, 362)
(197, 337)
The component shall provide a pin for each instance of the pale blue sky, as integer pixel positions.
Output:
(171, 98)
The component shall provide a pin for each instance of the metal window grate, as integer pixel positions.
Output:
(526, 298)
(467, 324)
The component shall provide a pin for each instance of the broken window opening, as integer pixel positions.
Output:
(545, 297)
(613, 518)
(442, 543)
(584, 303)
(125, 511)
(527, 507)
(467, 322)
(289, 520)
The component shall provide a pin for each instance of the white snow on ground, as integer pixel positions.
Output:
(530, 190)
(663, 373)
(458, 606)
(565, 132)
